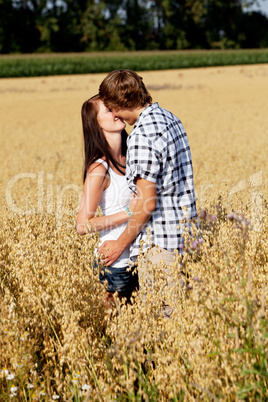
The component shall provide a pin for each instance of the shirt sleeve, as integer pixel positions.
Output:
(144, 160)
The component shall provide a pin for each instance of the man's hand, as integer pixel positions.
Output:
(109, 251)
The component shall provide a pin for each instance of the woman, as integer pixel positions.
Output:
(105, 185)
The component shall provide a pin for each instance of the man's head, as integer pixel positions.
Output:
(124, 89)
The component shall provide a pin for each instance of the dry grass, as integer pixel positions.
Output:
(53, 341)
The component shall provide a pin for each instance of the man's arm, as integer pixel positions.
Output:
(145, 205)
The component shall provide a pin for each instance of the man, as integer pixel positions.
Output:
(159, 171)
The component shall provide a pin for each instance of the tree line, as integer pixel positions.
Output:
(28, 26)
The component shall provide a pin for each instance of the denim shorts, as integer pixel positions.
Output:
(121, 280)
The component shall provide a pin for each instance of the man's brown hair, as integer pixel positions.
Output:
(124, 89)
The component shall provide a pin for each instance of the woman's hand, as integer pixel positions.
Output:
(110, 251)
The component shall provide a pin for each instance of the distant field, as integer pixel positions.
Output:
(91, 63)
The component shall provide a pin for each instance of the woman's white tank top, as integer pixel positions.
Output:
(115, 199)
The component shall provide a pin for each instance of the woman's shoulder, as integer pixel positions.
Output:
(97, 174)
(99, 166)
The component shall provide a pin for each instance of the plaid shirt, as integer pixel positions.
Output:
(158, 151)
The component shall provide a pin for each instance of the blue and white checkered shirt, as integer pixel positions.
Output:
(158, 151)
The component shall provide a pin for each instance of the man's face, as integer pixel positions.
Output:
(128, 115)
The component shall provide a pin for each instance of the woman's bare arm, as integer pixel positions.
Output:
(96, 182)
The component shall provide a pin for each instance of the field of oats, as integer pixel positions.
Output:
(57, 340)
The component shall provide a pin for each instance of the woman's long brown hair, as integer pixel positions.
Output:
(95, 144)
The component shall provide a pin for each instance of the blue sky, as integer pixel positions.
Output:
(263, 7)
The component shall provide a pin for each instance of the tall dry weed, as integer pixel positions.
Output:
(59, 342)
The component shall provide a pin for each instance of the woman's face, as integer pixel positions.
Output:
(107, 121)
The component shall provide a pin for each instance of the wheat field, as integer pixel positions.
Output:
(223, 109)
(58, 342)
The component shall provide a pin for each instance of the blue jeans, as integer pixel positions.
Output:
(121, 280)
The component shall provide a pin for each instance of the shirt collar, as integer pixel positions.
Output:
(146, 112)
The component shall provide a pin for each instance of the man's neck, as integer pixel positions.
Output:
(140, 110)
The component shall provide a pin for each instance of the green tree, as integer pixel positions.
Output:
(254, 27)
(18, 31)
(79, 25)
(138, 24)
(180, 24)
(100, 26)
